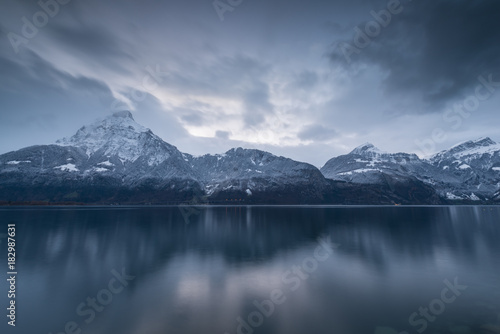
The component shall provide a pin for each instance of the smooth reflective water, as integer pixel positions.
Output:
(280, 270)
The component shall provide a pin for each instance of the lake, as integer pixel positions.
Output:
(262, 270)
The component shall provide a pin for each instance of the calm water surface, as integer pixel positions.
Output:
(280, 270)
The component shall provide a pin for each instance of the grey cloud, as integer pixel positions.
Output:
(429, 56)
(46, 74)
(257, 104)
(304, 80)
(164, 123)
(87, 39)
(222, 134)
(94, 44)
(224, 76)
(239, 77)
(435, 50)
(192, 118)
(36, 75)
(37, 98)
(333, 27)
(317, 133)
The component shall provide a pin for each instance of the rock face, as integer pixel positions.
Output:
(116, 160)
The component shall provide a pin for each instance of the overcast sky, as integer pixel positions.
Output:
(305, 79)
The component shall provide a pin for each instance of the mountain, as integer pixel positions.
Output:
(117, 160)
(243, 173)
(469, 171)
(400, 173)
(475, 166)
(105, 161)
(367, 164)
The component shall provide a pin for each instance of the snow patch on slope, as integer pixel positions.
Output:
(452, 196)
(67, 168)
(15, 162)
(367, 148)
(106, 163)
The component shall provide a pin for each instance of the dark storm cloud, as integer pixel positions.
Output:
(434, 50)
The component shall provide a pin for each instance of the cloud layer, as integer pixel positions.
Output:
(271, 75)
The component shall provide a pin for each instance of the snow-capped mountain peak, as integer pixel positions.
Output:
(367, 149)
(124, 158)
(472, 144)
(123, 114)
(472, 148)
(119, 135)
(475, 165)
(117, 123)
(482, 141)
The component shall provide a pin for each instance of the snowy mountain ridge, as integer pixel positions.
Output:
(126, 159)
(468, 151)
(117, 159)
(467, 171)
(119, 135)
(367, 149)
